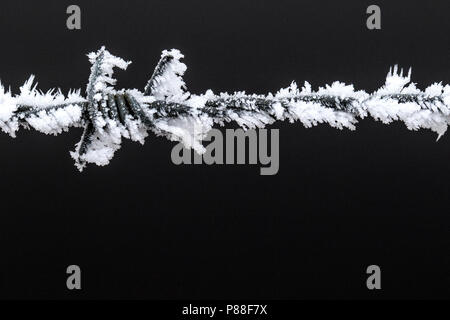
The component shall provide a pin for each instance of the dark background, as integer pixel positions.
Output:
(145, 228)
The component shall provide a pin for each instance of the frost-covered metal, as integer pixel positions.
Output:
(166, 108)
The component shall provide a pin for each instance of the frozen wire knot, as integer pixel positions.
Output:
(166, 108)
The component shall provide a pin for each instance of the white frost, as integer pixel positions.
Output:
(338, 105)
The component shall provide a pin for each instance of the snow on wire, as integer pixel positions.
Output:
(166, 108)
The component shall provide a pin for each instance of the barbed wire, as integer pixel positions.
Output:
(166, 108)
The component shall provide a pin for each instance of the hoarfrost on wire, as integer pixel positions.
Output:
(166, 108)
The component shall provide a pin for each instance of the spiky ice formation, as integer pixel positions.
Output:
(166, 108)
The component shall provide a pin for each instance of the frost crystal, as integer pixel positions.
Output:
(166, 108)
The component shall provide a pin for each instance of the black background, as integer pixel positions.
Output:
(145, 228)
